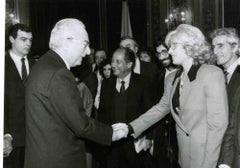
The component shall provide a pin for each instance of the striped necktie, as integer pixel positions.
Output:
(24, 70)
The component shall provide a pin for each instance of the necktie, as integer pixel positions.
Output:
(24, 70)
(226, 75)
(122, 88)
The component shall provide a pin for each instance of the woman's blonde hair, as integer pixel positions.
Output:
(193, 40)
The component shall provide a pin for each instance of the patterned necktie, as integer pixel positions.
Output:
(122, 88)
(226, 73)
(24, 70)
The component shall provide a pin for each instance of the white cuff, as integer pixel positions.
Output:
(224, 166)
(9, 136)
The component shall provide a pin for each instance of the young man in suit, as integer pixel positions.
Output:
(17, 67)
(225, 43)
(56, 122)
(123, 98)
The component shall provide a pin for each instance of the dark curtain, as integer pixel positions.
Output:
(45, 13)
(137, 10)
(232, 13)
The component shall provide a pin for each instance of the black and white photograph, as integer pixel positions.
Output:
(120, 83)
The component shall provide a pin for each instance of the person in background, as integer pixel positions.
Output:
(100, 55)
(148, 70)
(165, 148)
(196, 97)
(56, 121)
(123, 98)
(105, 71)
(90, 59)
(225, 42)
(145, 55)
(17, 67)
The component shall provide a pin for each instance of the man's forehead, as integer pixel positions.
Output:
(219, 39)
(21, 33)
(100, 53)
(161, 47)
(127, 42)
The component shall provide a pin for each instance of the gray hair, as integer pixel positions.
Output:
(65, 28)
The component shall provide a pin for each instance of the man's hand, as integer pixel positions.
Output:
(7, 145)
(142, 144)
(120, 130)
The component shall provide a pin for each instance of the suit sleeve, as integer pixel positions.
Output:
(227, 148)
(217, 117)
(68, 105)
(154, 114)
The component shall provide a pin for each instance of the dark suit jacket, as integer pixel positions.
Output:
(164, 131)
(14, 102)
(56, 123)
(137, 103)
(148, 70)
(230, 149)
(137, 99)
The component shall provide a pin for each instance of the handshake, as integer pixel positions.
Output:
(120, 130)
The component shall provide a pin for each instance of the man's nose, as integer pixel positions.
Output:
(88, 51)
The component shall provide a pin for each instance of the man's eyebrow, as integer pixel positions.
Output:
(87, 42)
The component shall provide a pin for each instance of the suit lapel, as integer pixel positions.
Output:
(234, 81)
(12, 66)
(187, 87)
(175, 116)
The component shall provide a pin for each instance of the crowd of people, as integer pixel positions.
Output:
(79, 107)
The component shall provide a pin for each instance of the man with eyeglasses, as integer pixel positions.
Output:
(164, 149)
(56, 122)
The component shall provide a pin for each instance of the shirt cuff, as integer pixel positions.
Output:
(224, 166)
(8, 136)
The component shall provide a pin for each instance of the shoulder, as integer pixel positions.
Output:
(210, 75)
(210, 71)
(210, 68)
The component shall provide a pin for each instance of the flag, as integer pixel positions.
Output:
(126, 23)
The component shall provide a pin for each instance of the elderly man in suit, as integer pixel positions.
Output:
(17, 67)
(225, 43)
(199, 107)
(56, 123)
(123, 98)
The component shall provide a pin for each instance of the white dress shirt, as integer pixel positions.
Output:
(126, 84)
(137, 66)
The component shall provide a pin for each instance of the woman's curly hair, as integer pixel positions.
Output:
(194, 43)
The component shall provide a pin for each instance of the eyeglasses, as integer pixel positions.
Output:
(85, 43)
(174, 45)
(105, 69)
(163, 52)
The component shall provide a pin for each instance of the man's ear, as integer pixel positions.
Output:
(136, 49)
(129, 65)
(11, 39)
